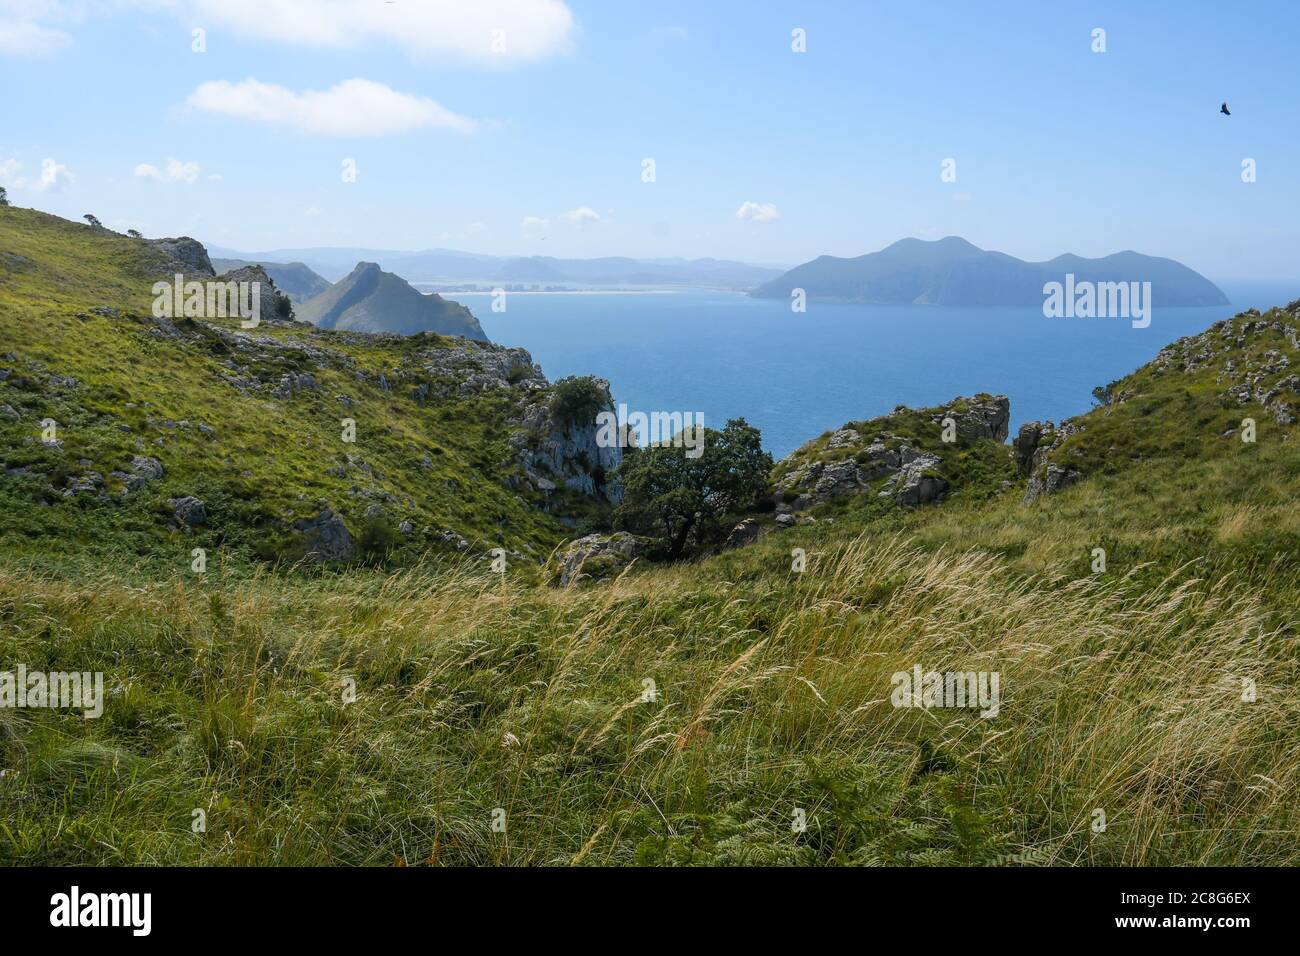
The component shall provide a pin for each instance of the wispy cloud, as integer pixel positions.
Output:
(21, 37)
(581, 215)
(354, 107)
(54, 175)
(175, 171)
(479, 32)
(758, 211)
(483, 32)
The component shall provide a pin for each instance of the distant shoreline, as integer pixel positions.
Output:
(571, 292)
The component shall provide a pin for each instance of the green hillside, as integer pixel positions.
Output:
(250, 423)
(733, 709)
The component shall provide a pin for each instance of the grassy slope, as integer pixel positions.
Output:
(268, 462)
(1121, 690)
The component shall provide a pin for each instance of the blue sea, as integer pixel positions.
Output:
(796, 375)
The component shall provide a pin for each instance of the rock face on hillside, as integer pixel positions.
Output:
(552, 455)
(184, 255)
(980, 417)
(275, 305)
(1034, 444)
(326, 537)
(556, 453)
(879, 456)
(474, 369)
(599, 557)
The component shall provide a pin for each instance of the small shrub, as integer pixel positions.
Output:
(577, 398)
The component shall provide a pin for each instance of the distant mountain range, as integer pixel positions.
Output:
(953, 272)
(451, 266)
(369, 299)
(294, 279)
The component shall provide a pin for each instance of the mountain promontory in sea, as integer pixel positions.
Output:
(953, 272)
(371, 300)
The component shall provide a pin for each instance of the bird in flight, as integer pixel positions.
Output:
(1224, 110)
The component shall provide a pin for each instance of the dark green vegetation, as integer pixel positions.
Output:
(371, 300)
(684, 499)
(578, 398)
(953, 272)
(678, 714)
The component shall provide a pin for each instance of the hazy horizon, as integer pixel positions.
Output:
(523, 127)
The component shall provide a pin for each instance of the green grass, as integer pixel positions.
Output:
(475, 693)
(270, 461)
(1122, 691)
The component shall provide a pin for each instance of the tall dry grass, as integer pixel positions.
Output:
(477, 694)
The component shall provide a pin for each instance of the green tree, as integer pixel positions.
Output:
(577, 399)
(94, 221)
(4, 197)
(134, 233)
(283, 306)
(684, 501)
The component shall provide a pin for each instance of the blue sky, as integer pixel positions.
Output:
(536, 146)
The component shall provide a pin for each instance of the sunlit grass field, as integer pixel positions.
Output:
(1123, 695)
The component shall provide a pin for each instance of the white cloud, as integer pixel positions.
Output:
(532, 222)
(485, 32)
(215, 177)
(311, 211)
(354, 107)
(27, 38)
(179, 172)
(581, 215)
(758, 211)
(54, 175)
(175, 172)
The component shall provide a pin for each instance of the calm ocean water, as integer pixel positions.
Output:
(796, 375)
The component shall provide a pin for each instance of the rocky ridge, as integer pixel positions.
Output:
(1244, 361)
(884, 456)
